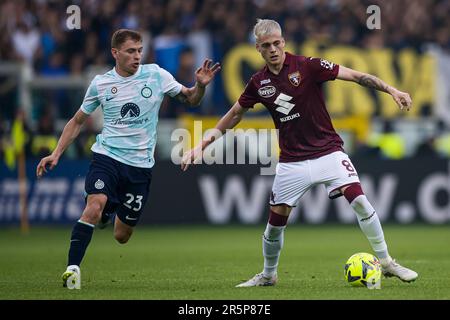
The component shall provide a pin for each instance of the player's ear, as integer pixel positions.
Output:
(114, 52)
(258, 47)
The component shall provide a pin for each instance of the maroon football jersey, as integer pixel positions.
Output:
(295, 101)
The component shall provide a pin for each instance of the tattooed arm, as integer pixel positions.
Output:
(402, 99)
(203, 76)
(192, 96)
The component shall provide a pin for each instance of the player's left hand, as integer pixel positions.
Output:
(193, 156)
(402, 99)
(206, 72)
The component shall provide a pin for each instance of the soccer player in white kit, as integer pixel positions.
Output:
(119, 176)
(312, 153)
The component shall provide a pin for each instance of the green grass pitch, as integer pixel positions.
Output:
(206, 262)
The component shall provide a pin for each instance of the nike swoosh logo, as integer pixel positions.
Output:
(368, 218)
(129, 218)
(109, 98)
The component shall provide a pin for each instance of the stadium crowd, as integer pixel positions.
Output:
(35, 33)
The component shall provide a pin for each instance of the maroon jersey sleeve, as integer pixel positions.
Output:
(322, 70)
(250, 95)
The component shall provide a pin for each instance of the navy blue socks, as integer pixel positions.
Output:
(79, 241)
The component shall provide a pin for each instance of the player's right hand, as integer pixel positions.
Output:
(50, 161)
(193, 156)
(402, 99)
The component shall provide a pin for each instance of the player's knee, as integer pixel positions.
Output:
(122, 237)
(282, 209)
(95, 205)
(93, 212)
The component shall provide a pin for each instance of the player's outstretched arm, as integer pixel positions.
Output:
(402, 99)
(203, 76)
(70, 132)
(228, 121)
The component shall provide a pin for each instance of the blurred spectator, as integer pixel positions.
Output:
(14, 138)
(36, 26)
(186, 76)
(390, 143)
(362, 149)
(45, 140)
(426, 149)
(76, 65)
(167, 48)
(21, 116)
(441, 141)
(8, 96)
(131, 18)
(86, 138)
(3, 137)
(91, 48)
(26, 41)
(57, 66)
(437, 145)
(186, 67)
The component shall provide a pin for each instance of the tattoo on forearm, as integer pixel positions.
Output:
(373, 82)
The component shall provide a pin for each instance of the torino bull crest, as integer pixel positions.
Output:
(295, 78)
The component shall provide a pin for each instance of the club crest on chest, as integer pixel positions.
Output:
(295, 78)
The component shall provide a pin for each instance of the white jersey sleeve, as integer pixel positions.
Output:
(169, 85)
(91, 99)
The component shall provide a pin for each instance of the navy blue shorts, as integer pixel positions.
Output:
(126, 187)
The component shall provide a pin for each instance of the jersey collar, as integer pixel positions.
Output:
(287, 59)
(138, 71)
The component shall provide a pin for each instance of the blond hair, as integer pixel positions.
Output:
(265, 27)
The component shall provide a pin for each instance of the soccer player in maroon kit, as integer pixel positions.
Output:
(289, 86)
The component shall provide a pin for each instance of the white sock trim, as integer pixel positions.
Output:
(86, 223)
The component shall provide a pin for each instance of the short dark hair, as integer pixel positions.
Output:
(120, 36)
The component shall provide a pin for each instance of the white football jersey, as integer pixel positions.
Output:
(130, 108)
